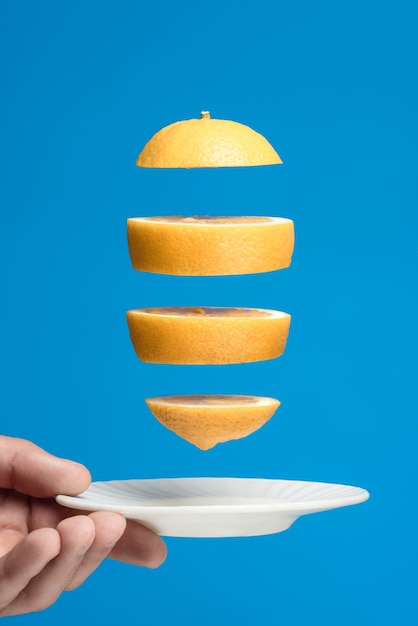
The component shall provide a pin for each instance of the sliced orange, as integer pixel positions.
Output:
(206, 420)
(210, 246)
(207, 335)
(207, 142)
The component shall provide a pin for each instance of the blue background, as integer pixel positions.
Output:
(332, 85)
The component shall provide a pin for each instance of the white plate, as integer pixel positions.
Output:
(214, 507)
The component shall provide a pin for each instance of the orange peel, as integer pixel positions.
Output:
(206, 420)
(207, 335)
(207, 142)
(210, 246)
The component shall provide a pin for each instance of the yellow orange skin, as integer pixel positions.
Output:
(207, 143)
(206, 420)
(207, 336)
(202, 246)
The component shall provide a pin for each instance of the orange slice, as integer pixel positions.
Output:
(206, 420)
(207, 335)
(207, 142)
(210, 246)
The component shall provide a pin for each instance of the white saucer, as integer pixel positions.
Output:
(214, 507)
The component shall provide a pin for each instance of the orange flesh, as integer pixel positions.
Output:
(210, 219)
(209, 400)
(201, 311)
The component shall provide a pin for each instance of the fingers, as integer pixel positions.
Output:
(30, 470)
(76, 536)
(140, 546)
(24, 562)
(109, 527)
(126, 541)
(48, 561)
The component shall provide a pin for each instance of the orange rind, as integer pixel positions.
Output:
(206, 420)
(207, 142)
(207, 335)
(210, 246)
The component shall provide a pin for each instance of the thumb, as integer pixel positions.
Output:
(30, 470)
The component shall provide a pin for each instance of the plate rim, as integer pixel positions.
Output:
(77, 502)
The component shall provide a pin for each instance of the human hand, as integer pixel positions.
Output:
(45, 548)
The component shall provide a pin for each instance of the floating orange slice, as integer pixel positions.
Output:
(210, 246)
(206, 420)
(207, 142)
(207, 335)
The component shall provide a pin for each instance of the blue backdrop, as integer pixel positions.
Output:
(332, 85)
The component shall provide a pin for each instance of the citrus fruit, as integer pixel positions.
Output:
(207, 335)
(210, 246)
(207, 142)
(206, 420)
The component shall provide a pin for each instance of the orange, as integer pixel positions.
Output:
(207, 335)
(207, 142)
(210, 246)
(206, 420)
